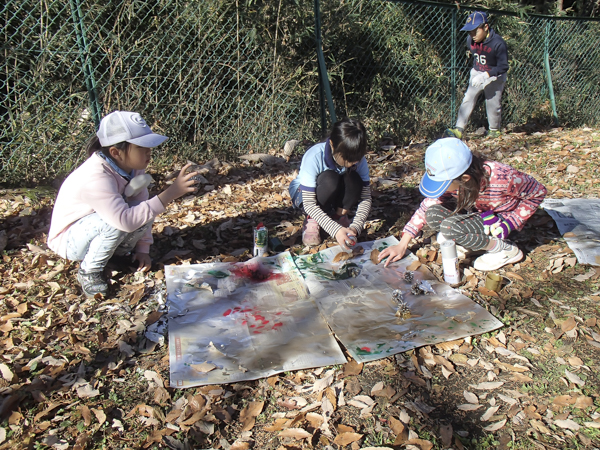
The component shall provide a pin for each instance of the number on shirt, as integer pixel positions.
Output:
(480, 58)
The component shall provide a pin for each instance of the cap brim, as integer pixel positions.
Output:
(431, 188)
(149, 140)
(469, 27)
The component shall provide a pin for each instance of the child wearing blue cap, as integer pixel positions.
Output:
(488, 75)
(489, 199)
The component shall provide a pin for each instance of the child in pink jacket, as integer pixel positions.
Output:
(103, 207)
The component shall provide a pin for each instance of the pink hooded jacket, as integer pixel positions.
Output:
(96, 187)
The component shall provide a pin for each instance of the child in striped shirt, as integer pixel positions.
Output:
(491, 200)
(333, 179)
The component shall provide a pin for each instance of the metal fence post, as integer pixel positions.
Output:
(549, 74)
(84, 56)
(454, 64)
(324, 87)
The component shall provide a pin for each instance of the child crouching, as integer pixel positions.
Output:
(491, 201)
(333, 179)
(103, 207)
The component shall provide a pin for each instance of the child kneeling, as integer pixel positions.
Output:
(497, 199)
(333, 178)
(100, 211)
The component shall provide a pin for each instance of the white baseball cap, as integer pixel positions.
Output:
(445, 160)
(126, 126)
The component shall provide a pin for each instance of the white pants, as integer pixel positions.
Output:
(493, 101)
(93, 242)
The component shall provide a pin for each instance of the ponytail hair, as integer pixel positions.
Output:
(93, 145)
(468, 191)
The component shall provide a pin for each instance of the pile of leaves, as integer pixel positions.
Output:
(93, 373)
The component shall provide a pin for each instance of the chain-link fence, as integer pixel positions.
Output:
(403, 66)
(233, 76)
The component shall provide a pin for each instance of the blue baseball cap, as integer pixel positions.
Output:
(445, 160)
(475, 20)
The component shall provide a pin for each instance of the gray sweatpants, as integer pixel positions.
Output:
(493, 101)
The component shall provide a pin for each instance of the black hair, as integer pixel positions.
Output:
(468, 191)
(349, 139)
(93, 145)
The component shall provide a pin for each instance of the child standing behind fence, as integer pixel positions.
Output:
(490, 200)
(99, 210)
(488, 75)
(333, 178)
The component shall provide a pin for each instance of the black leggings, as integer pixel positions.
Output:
(465, 229)
(336, 190)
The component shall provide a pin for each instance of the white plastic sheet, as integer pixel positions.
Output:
(578, 220)
(261, 317)
(362, 313)
(250, 320)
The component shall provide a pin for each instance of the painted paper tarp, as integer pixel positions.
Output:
(241, 321)
(362, 305)
(578, 220)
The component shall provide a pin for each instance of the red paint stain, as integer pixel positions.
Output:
(255, 272)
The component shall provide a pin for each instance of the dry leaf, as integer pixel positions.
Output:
(514, 275)
(583, 402)
(469, 407)
(574, 378)
(568, 424)
(470, 397)
(414, 265)
(568, 324)
(422, 443)
(280, 424)
(342, 256)
(487, 385)
(86, 414)
(396, 426)
(375, 256)
(295, 433)
(575, 361)
(495, 426)
(240, 445)
(204, 367)
(446, 435)
(450, 345)
(249, 413)
(520, 378)
(489, 413)
(346, 438)
(488, 292)
(341, 428)
(352, 368)
(315, 420)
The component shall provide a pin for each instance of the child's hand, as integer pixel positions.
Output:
(393, 253)
(144, 261)
(182, 185)
(342, 236)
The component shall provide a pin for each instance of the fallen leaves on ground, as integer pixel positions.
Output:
(87, 372)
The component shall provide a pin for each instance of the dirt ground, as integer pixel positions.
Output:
(83, 373)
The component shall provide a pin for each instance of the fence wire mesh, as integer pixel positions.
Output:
(225, 77)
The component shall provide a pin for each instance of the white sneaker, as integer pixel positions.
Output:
(461, 252)
(493, 261)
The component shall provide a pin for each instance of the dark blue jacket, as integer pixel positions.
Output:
(489, 56)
